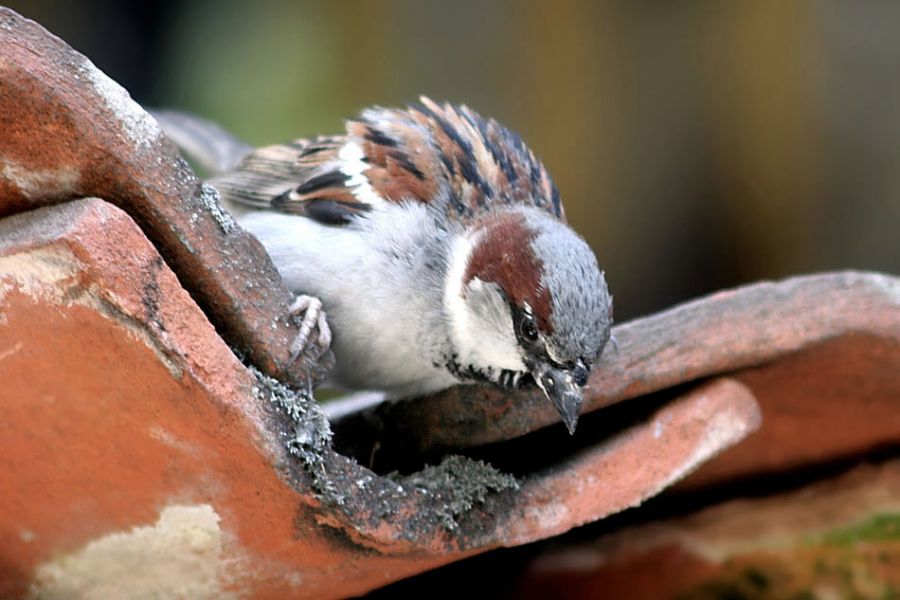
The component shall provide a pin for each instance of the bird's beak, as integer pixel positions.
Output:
(560, 387)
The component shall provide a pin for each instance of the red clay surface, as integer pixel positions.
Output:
(120, 402)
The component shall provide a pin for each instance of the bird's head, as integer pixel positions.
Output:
(524, 294)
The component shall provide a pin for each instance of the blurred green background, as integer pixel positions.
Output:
(697, 144)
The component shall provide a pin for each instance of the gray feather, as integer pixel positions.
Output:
(582, 305)
(207, 144)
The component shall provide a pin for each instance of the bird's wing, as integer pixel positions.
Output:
(304, 177)
(486, 165)
(442, 155)
(333, 179)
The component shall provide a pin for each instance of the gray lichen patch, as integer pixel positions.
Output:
(209, 198)
(307, 434)
(456, 486)
(416, 507)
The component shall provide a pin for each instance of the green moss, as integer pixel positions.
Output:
(877, 528)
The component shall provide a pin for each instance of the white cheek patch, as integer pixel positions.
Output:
(492, 328)
(480, 324)
(354, 166)
(454, 302)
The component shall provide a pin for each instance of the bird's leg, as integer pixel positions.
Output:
(313, 316)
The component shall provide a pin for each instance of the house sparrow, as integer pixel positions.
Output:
(437, 244)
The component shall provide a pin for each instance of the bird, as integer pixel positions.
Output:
(428, 246)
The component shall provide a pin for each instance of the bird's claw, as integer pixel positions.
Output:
(308, 309)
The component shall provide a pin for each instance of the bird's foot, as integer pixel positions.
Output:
(308, 310)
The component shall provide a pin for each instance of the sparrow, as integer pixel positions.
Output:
(437, 245)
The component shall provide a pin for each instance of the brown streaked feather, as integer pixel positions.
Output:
(401, 159)
(429, 153)
(265, 176)
(504, 256)
(487, 164)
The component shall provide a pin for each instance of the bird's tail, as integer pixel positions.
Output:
(205, 143)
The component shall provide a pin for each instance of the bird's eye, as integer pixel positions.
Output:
(528, 329)
(580, 375)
